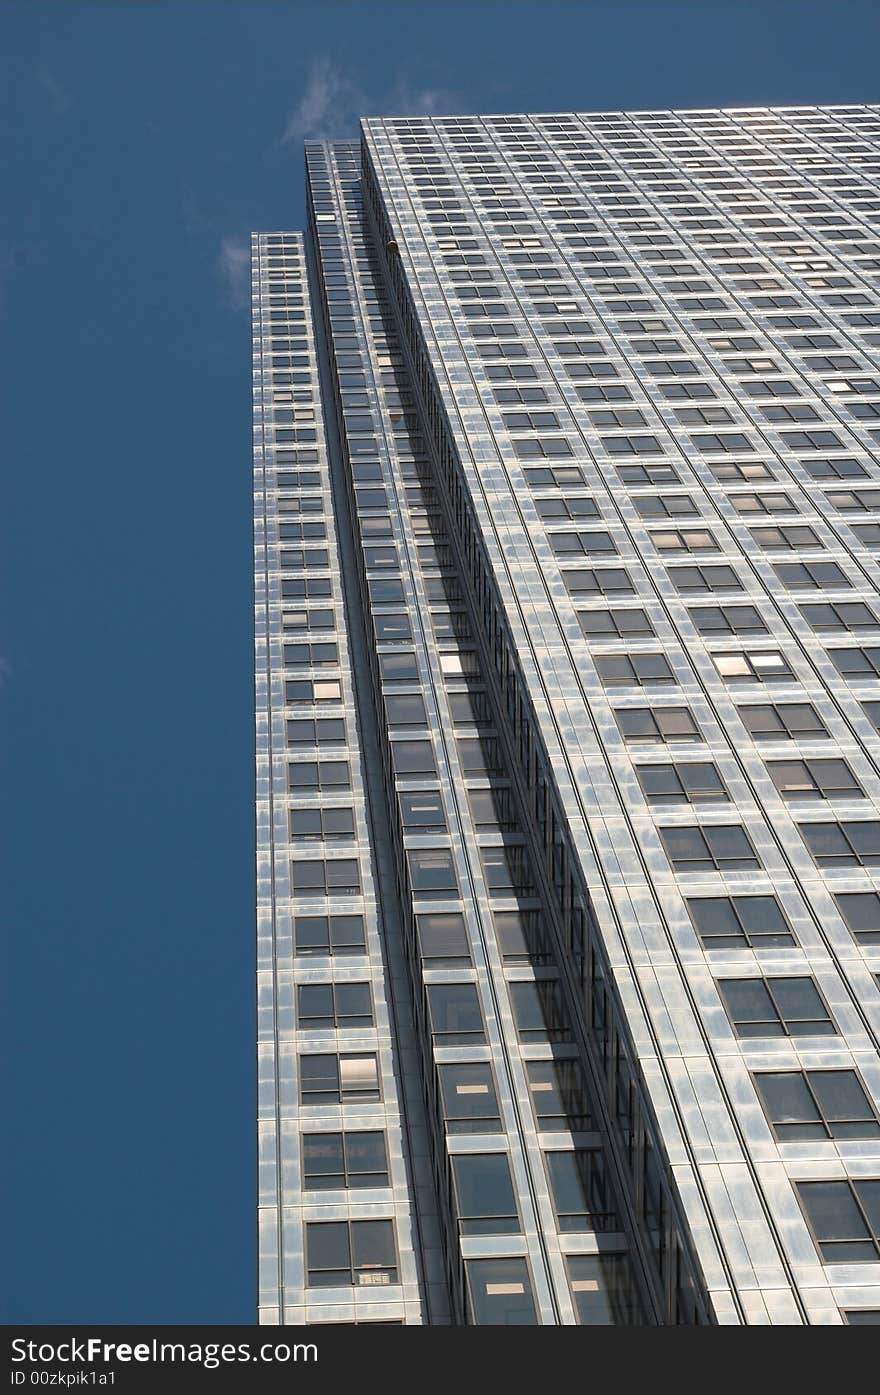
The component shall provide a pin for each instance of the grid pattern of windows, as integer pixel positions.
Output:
(603, 525)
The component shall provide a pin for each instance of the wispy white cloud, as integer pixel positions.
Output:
(54, 95)
(233, 269)
(403, 99)
(329, 106)
(334, 98)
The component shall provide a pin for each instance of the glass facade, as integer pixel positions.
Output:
(568, 771)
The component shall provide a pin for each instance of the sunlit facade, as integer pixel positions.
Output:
(567, 516)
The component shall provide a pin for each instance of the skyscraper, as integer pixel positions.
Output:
(567, 513)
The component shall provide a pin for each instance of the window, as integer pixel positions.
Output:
(391, 627)
(736, 472)
(810, 1104)
(611, 624)
(521, 935)
(767, 721)
(687, 783)
(340, 1160)
(581, 543)
(505, 396)
(349, 1079)
(625, 417)
(687, 392)
(413, 758)
(666, 506)
(604, 581)
(318, 775)
(704, 416)
(324, 935)
(422, 810)
(323, 824)
(845, 615)
(603, 392)
(739, 922)
(725, 847)
(398, 667)
(844, 1218)
(454, 1012)
(442, 939)
(727, 620)
(814, 779)
(542, 447)
(863, 662)
(558, 1096)
(340, 1253)
(627, 669)
(656, 724)
(480, 756)
(603, 1290)
(405, 710)
(697, 579)
(471, 709)
(811, 440)
(747, 504)
(328, 1006)
(632, 445)
(339, 876)
(648, 474)
(485, 1203)
(299, 620)
(710, 442)
(310, 655)
(500, 1293)
(467, 1093)
(775, 1007)
(493, 809)
(500, 372)
(783, 412)
(525, 421)
(554, 476)
(843, 468)
(671, 368)
(321, 731)
(580, 1191)
(797, 575)
(861, 911)
(846, 844)
(431, 872)
(313, 690)
(761, 666)
(855, 500)
(568, 508)
(539, 1010)
(684, 540)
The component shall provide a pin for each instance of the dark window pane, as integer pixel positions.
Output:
(443, 937)
(468, 1096)
(580, 1191)
(603, 1290)
(500, 1292)
(328, 1254)
(455, 1012)
(486, 1202)
(374, 1257)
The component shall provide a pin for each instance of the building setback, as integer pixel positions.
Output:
(566, 522)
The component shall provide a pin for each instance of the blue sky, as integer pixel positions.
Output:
(143, 141)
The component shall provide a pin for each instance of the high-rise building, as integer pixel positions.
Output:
(567, 516)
